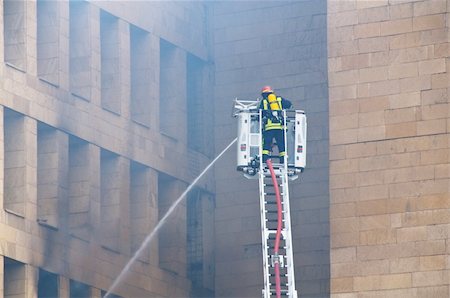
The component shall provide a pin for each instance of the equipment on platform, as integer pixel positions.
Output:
(279, 279)
(250, 139)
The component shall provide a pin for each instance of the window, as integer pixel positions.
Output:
(14, 279)
(79, 290)
(200, 242)
(110, 188)
(80, 167)
(15, 162)
(14, 31)
(47, 284)
(172, 236)
(172, 88)
(48, 41)
(140, 76)
(110, 59)
(142, 215)
(199, 107)
(52, 169)
(80, 50)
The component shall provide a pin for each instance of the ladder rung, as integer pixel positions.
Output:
(268, 208)
(270, 202)
(274, 231)
(270, 193)
(283, 291)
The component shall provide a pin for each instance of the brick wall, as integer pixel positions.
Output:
(389, 148)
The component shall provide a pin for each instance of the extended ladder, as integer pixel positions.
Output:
(269, 222)
(273, 212)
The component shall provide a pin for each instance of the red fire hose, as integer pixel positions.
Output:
(278, 234)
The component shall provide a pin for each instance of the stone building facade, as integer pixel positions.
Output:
(103, 110)
(389, 148)
(109, 109)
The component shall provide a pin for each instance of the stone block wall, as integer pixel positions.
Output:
(281, 44)
(82, 152)
(389, 148)
(95, 102)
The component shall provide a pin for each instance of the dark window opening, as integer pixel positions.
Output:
(14, 279)
(79, 290)
(14, 33)
(110, 62)
(48, 41)
(140, 76)
(47, 284)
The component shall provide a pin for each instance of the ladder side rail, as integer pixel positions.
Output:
(286, 152)
(264, 230)
(261, 166)
(287, 215)
(264, 236)
(288, 236)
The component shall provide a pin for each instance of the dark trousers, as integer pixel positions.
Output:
(268, 137)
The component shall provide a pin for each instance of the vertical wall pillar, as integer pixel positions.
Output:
(64, 58)
(2, 37)
(2, 276)
(152, 178)
(124, 208)
(96, 293)
(154, 74)
(94, 189)
(2, 161)
(64, 287)
(31, 281)
(30, 130)
(124, 67)
(31, 30)
(94, 39)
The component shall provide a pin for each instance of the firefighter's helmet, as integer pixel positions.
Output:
(266, 89)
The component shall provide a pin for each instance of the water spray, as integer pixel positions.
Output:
(150, 236)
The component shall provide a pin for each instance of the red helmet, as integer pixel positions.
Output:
(266, 89)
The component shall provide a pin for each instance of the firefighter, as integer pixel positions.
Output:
(272, 106)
